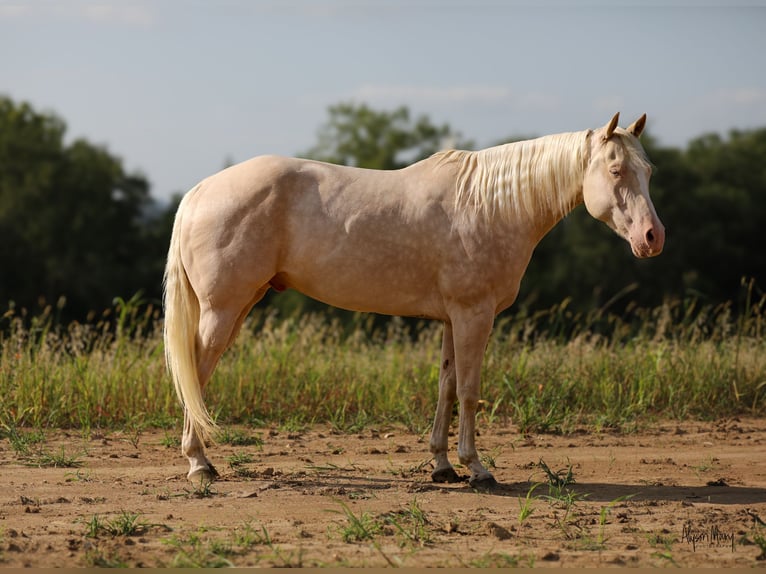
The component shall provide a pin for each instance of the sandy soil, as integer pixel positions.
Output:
(691, 494)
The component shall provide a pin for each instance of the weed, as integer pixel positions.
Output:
(249, 536)
(500, 560)
(77, 476)
(124, 524)
(23, 441)
(60, 459)
(239, 458)
(488, 459)
(760, 540)
(170, 440)
(294, 424)
(193, 552)
(558, 479)
(605, 510)
(133, 429)
(97, 558)
(411, 524)
(357, 528)
(665, 553)
(236, 437)
(705, 466)
(525, 506)
(203, 489)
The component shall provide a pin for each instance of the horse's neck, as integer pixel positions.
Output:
(554, 190)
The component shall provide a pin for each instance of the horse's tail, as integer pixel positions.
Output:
(182, 315)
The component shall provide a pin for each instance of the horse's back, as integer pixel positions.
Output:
(351, 237)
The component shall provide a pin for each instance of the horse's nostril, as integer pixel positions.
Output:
(650, 237)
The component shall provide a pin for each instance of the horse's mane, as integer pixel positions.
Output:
(531, 177)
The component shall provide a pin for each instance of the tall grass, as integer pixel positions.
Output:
(551, 370)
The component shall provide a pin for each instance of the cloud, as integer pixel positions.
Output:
(433, 95)
(476, 95)
(608, 104)
(14, 11)
(127, 14)
(743, 96)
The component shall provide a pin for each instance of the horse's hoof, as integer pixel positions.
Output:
(484, 484)
(202, 476)
(446, 475)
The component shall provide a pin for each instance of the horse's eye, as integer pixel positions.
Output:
(615, 172)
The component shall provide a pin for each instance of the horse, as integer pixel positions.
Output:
(446, 238)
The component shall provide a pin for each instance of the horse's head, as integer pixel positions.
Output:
(616, 187)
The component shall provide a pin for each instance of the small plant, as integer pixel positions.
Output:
(77, 476)
(97, 558)
(60, 459)
(665, 553)
(705, 466)
(488, 458)
(293, 423)
(499, 560)
(248, 536)
(559, 479)
(605, 510)
(133, 429)
(192, 552)
(93, 527)
(22, 441)
(203, 489)
(525, 506)
(411, 524)
(357, 528)
(236, 437)
(170, 440)
(124, 524)
(237, 461)
(760, 540)
(239, 458)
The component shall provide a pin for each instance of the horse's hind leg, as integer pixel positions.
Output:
(218, 327)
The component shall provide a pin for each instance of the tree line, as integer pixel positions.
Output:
(75, 226)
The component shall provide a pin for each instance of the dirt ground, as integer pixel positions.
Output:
(691, 494)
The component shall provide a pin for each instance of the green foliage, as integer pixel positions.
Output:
(124, 524)
(359, 136)
(73, 223)
(357, 528)
(77, 227)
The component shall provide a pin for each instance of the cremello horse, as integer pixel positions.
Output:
(447, 238)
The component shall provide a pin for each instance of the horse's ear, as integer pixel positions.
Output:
(637, 127)
(611, 126)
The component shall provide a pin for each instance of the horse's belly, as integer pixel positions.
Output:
(389, 290)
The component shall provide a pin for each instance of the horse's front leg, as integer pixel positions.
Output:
(471, 329)
(444, 472)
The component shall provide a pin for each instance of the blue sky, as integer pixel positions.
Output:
(177, 88)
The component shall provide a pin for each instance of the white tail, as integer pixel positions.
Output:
(180, 333)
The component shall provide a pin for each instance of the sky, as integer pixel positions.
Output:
(179, 88)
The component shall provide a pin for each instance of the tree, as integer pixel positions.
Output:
(359, 136)
(71, 218)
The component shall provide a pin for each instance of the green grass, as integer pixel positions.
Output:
(124, 524)
(547, 372)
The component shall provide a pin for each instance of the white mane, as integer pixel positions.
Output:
(528, 178)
